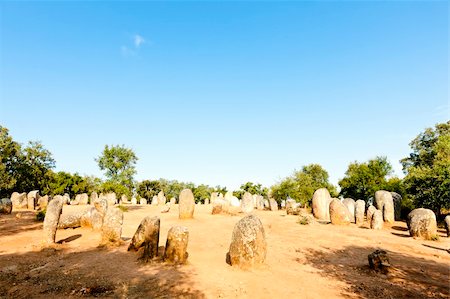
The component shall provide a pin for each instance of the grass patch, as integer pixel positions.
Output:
(123, 208)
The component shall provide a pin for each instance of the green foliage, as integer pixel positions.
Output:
(252, 188)
(301, 185)
(147, 189)
(10, 158)
(118, 162)
(362, 180)
(40, 216)
(64, 182)
(427, 169)
(123, 208)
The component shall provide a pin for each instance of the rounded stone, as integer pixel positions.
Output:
(176, 245)
(422, 224)
(320, 204)
(339, 213)
(186, 205)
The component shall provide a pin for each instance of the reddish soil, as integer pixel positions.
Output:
(303, 261)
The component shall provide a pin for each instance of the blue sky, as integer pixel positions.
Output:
(224, 92)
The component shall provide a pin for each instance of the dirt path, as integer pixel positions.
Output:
(315, 261)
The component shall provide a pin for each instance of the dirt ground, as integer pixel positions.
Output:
(303, 261)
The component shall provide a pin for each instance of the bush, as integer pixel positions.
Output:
(40, 216)
(123, 208)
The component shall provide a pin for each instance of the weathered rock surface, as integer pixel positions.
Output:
(5, 206)
(350, 204)
(112, 225)
(42, 202)
(248, 243)
(142, 201)
(377, 220)
(32, 198)
(385, 203)
(161, 198)
(379, 261)
(165, 209)
(154, 201)
(273, 204)
(247, 203)
(339, 213)
(447, 224)
(422, 224)
(220, 206)
(397, 205)
(370, 210)
(51, 219)
(186, 205)
(176, 245)
(111, 198)
(360, 208)
(292, 207)
(321, 204)
(19, 200)
(147, 236)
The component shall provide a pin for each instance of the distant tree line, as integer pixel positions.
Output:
(426, 182)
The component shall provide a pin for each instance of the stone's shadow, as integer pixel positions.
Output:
(69, 239)
(401, 235)
(438, 248)
(134, 208)
(409, 276)
(12, 225)
(228, 258)
(403, 229)
(59, 272)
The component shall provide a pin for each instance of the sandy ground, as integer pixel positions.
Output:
(303, 261)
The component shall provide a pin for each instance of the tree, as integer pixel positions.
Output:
(147, 189)
(119, 164)
(63, 182)
(10, 159)
(362, 180)
(251, 188)
(301, 185)
(427, 169)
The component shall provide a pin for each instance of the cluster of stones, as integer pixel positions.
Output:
(421, 222)
(107, 219)
(147, 238)
(230, 204)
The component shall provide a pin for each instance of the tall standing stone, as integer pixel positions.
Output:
(5, 206)
(111, 198)
(370, 210)
(32, 198)
(52, 215)
(173, 201)
(161, 198)
(112, 225)
(339, 213)
(147, 236)
(84, 199)
(350, 204)
(321, 204)
(422, 224)
(377, 220)
(94, 197)
(186, 204)
(247, 203)
(273, 204)
(447, 224)
(384, 198)
(19, 200)
(42, 202)
(142, 201)
(176, 245)
(360, 208)
(248, 243)
(154, 201)
(397, 198)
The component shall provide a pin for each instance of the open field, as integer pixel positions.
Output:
(315, 261)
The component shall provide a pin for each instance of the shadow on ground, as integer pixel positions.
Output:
(100, 272)
(410, 277)
(18, 222)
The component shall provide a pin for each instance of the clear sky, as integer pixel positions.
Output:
(224, 92)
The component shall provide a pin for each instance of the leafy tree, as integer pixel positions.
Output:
(362, 180)
(201, 192)
(427, 169)
(301, 185)
(119, 164)
(63, 182)
(251, 188)
(147, 189)
(10, 158)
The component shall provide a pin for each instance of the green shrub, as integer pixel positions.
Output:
(123, 208)
(40, 215)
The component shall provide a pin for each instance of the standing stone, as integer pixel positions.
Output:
(350, 204)
(154, 201)
(84, 199)
(292, 207)
(397, 198)
(94, 197)
(91, 218)
(32, 198)
(142, 201)
(161, 198)
(360, 208)
(377, 220)
(339, 213)
(177, 242)
(220, 206)
(228, 196)
(273, 204)
(447, 224)
(370, 210)
(173, 201)
(42, 202)
(321, 204)
(19, 200)
(214, 196)
(234, 201)
(134, 201)
(384, 198)
(52, 215)
(66, 198)
(260, 202)
(111, 198)
(166, 208)
(247, 203)
(186, 204)
(5, 206)
(76, 201)
(97, 217)
(147, 236)
(422, 224)
(283, 204)
(124, 199)
(112, 225)
(206, 201)
(248, 243)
